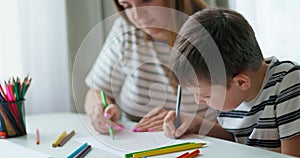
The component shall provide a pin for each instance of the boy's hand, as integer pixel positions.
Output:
(101, 119)
(152, 121)
(187, 125)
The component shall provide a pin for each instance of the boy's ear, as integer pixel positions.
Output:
(242, 81)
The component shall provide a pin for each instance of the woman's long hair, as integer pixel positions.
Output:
(188, 7)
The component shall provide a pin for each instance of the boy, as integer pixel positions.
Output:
(221, 63)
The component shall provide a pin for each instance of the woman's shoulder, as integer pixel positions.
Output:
(119, 21)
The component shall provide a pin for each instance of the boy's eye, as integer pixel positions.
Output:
(206, 97)
(125, 5)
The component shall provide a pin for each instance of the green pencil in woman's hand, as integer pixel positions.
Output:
(111, 129)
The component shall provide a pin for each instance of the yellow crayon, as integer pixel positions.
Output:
(55, 143)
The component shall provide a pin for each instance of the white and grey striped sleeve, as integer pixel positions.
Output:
(288, 104)
(106, 73)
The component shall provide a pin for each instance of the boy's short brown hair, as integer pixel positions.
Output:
(215, 45)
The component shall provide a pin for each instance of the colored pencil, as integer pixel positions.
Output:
(168, 150)
(3, 93)
(16, 88)
(83, 152)
(183, 155)
(8, 92)
(105, 104)
(27, 85)
(177, 121)
(66, 138)
(129, 155)
(62, 135)
(2, 99)
(74, 153)
(23, 87)
(9, 126)
(192, 154)
(37, 136)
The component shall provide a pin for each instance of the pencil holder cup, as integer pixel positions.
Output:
(12, 119)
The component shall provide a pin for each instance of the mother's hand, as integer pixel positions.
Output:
(101, 118)
(152, 121)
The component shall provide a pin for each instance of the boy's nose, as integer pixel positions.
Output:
(138, 12)
(199, 100)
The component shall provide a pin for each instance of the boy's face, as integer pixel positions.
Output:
(217, 96)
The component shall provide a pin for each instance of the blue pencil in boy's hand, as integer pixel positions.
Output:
(177, 119)
(111, 130)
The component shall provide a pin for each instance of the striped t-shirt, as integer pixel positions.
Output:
(130, 70)
(274, 114)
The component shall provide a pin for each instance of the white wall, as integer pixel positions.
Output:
(83, 18)
(38, 37)
(45, 46)
(276, 24)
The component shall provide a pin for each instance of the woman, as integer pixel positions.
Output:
(132, 67)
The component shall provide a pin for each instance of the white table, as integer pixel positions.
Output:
(52, 125)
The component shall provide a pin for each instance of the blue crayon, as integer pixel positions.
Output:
(74, 153)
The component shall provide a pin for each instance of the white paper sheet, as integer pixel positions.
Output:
(13, 150)
(127, 141)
